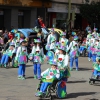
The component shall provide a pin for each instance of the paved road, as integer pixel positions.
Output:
(78, 87)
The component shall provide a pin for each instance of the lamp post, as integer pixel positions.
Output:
(69, 11)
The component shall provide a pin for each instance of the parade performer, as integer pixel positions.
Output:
(96, 67)
(7, 54)
(95, 33)
(37, 55)
(51, 36)
(52, 45)
(48, 76)
(40, 35)
(63, 40)
(88, 47)
(83, 47)
(57, 49)
(95, 47)
(21, 57)
(62, 62)
(73, 50)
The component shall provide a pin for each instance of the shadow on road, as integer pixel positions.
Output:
(81, 81)
(84, 69)
(75, 95)
(31, 77)
(97, 84)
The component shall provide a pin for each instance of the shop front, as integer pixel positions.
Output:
(58, 15)
(21, 13)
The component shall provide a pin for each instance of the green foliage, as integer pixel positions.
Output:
(91, 12)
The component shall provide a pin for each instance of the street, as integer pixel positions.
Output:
(78, 87)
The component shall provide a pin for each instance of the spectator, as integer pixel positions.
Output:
(37, 24)
(11, 36)
(41, 23)
(88, 28)
(5, 37)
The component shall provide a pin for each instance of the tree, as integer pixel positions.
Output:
(91, 12)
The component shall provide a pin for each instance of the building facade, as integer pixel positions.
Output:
(21, 13)
(58, 13)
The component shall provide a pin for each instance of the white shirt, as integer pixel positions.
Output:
(65, 60)
(20, 50)
(73, 46)
(49, 38)
(34, 50)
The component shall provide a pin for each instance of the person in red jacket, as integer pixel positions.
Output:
(41, 23)
(11, 36)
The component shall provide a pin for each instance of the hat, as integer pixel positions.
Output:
(13, 31)
(37, 40)
(96, 38)
(73, 33)
(63, 34)
(52, 30)
(62, 48)
(22, 40)
(89, 32)
(58, 44)
(75, 37)
(53, 63)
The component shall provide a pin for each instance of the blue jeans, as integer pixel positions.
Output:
(44, 86)
(95, 72)
(89, 55)
(37, 69)
(4, 59)
(94, 57)
(81, 49)
(21, 69)
(72, 61)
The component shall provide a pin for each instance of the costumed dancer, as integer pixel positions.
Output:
(62, 61)
(52, 35)
(73, 50)
(51, 50)
(91, 45)
(63, 40)
(37, 55)
(95, 33)
(48, 76)
(57, 49)
(21, 57)
(7, 55)
(95, 47)
(96, 68)
(88, 47)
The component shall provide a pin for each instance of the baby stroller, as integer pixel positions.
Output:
(58, 87)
